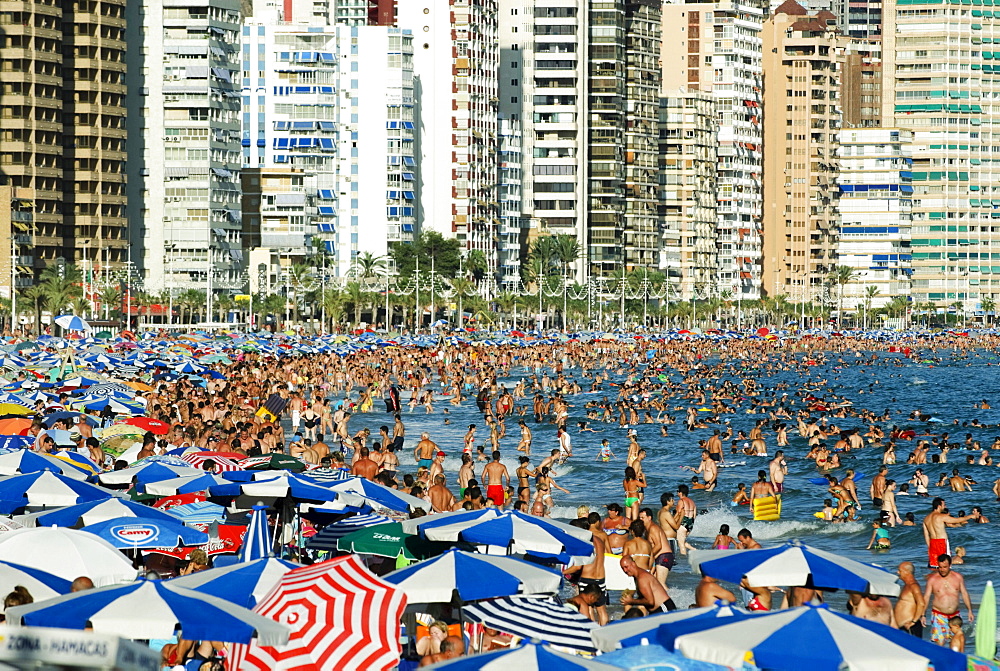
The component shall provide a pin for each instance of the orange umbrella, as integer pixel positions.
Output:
(138, 386)
(15, 426)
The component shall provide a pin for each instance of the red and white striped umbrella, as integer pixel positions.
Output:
(342, 617)
(196, 459)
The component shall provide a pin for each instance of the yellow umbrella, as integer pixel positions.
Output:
(15, 409)
(86, 467)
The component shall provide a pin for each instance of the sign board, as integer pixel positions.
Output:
(31, 647)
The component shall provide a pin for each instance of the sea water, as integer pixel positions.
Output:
(946, 390)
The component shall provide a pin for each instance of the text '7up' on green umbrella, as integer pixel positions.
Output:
(388, 540)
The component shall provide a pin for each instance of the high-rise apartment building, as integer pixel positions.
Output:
(335, 104)
(858, 19)
(941, 84)
(62, 142)
(803, 56)
(715, 47)
(688, 162)
(455, 68)
(876, 195)
(184, 144)
(512, 221)
(861, 84)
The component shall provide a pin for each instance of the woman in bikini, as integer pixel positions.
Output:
(544, 484)
(723, 541)
(631, 485)
(638, 547)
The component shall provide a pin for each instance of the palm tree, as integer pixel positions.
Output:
(80, 307)
(988, 304)
(507, 304)
(567, 251)
(60, 284)
(368, 265)
(841, 276)
(354, 294)
(475, 263)
(870, 294)
(35, 294)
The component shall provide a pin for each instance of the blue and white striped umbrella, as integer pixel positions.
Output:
(26, 461)
(285, 484)
(378, 495)
(543, 619)
(16, 442)
(526, 657)
(807, 637)
(519, 533)
(795, 565)
(40, 584)
(45, 489)
(631, 632)
(199, 512)
(72, 323)
(152, 609)
(144, 532)
(117, 406)
(244, 584)
(473, 576)
(257, 541)
(184, 485)
(93, 512)
(328, 536)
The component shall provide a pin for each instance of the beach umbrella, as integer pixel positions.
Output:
(117, 406)
(807, 637)
(15, 409)
(149, 424)
(795, 564)
(341, 615)
(647, 657)
(77, 460)
(385, 540)
(244, 583)
(528, 656)
(417, 524)
(45, 489)
(40, 584)
(150, 471)
(93, 512)
(378, 495)
(66, 553)
(72, 323)
(276, 487)
(986, 623)
(15, 426)
(257, 541)
(473, 576)
(116, 389)
(328, 536)
(151, 609)
(544, 619)
(199, 512)
(81, 381)
(631, 632)
(25, 461)
(16, 442)
(274, 462)
(119, 430)
(184, 485)
(517, 532)
(133, 533)
(222, 463)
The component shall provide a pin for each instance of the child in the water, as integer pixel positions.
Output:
(605, 454)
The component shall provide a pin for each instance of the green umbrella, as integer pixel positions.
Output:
(389, 540)
(986, 623)
(101, 335)
(216, 358)
(276, 462)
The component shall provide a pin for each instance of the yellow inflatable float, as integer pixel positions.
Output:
(766, 509)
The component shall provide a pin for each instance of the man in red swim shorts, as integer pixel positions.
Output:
(935, 534)
(497, 480)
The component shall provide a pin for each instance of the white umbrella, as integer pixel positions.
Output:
(72, 323)
(67, 553)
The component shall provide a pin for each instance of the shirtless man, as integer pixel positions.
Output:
(874, 608)
(442, 500)
(497, 480)
(709, 591)
(662, 551)
(364, 467)
(851, 487)
(778, 469)
(687, 511)
(714, 446)
(910, 606)
(877, 488)
(651, 594)
(944, 588)
(934, 531)
(437, 465)
(668, 524)
(708, 470)
(398, 432)
(465, 473)
(593, 573)
(745, 540)
(423, 453)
